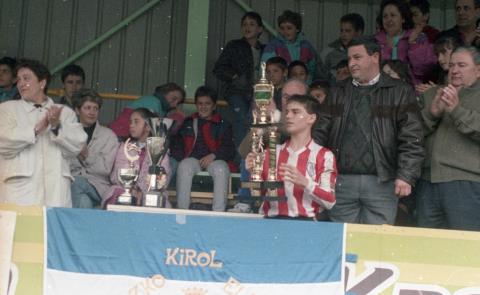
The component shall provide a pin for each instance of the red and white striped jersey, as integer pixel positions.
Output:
(315, 162)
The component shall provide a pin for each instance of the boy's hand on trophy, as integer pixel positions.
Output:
(291, 174)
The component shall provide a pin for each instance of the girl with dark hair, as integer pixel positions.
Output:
(133, 152)
(397, 70)
(394, 39)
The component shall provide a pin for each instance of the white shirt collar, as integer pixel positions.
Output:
(371, 82)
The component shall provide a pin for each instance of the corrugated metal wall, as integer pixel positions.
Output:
(151, 50)
(148, 52)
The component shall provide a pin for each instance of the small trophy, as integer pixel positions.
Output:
(264, 123)
(128, 176)
(157, 147)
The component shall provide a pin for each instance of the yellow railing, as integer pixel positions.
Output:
(122, 96)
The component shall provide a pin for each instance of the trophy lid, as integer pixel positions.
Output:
(263, 74)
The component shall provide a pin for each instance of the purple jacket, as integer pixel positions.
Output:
(419, 56)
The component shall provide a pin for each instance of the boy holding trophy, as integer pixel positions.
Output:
(308, 170)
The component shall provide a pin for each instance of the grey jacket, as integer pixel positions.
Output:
(453, 140)
(101, 155)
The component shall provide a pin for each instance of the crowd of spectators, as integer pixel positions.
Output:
(371, 128)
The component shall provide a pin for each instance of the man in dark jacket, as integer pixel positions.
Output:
(237, 67)
(373, 126)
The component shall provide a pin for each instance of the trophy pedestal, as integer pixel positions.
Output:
(126, 200)
(263, 185)
(154, 199)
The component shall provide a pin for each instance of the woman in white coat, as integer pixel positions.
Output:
(37, 140)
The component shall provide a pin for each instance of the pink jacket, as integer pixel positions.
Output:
(419, 56)
(143, 176)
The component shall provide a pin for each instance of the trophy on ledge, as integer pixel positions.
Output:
(128, 176)
(264, 123)
(157, 147)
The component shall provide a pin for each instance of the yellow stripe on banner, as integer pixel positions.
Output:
(29, 229)
(28, 252)
(414, 232)
(23, 210)
(31, 279)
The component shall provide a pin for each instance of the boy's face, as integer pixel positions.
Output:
(276, 75)
(297, 119)
(319, 94)
(347, 33)
(205, 106)
(418, 18)
(72, 84)
(289, 31)
(6, 76)
(250, 29)
(298, 72)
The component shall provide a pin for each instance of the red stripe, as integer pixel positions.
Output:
(327, 196)
(282, 158)
(297, 190)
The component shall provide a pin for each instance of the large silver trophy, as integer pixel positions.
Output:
(157, 147)
(128, 176)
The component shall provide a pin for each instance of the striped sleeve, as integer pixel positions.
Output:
(322, 188)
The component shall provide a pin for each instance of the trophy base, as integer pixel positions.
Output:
(263, 185)
(126, 200)
(154, 199)
(260, 185)
(265, 125)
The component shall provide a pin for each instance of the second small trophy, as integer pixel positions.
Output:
(157, 147)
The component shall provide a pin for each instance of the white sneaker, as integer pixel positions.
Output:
(241, 208)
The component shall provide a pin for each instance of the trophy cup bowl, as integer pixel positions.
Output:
(127, 176)
(156, 149)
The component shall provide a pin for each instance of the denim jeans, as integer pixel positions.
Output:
(220, 173)
(453, 204)
(363, 199)
(240, 107)
(84, 194)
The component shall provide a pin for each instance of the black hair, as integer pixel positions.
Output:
(74, 70)
(311, 105)
(84, 95)
(279, 61)
(402, 7)
(166, 88)
(289, 16)
(9, 61)
(253, 15)
(206, 91)
(296, 63)
(38, 69)
(323, 85)
(446, 41)
(369, 42)
(422, 5)
(342, 64)
(355, 19)
(400, 68)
